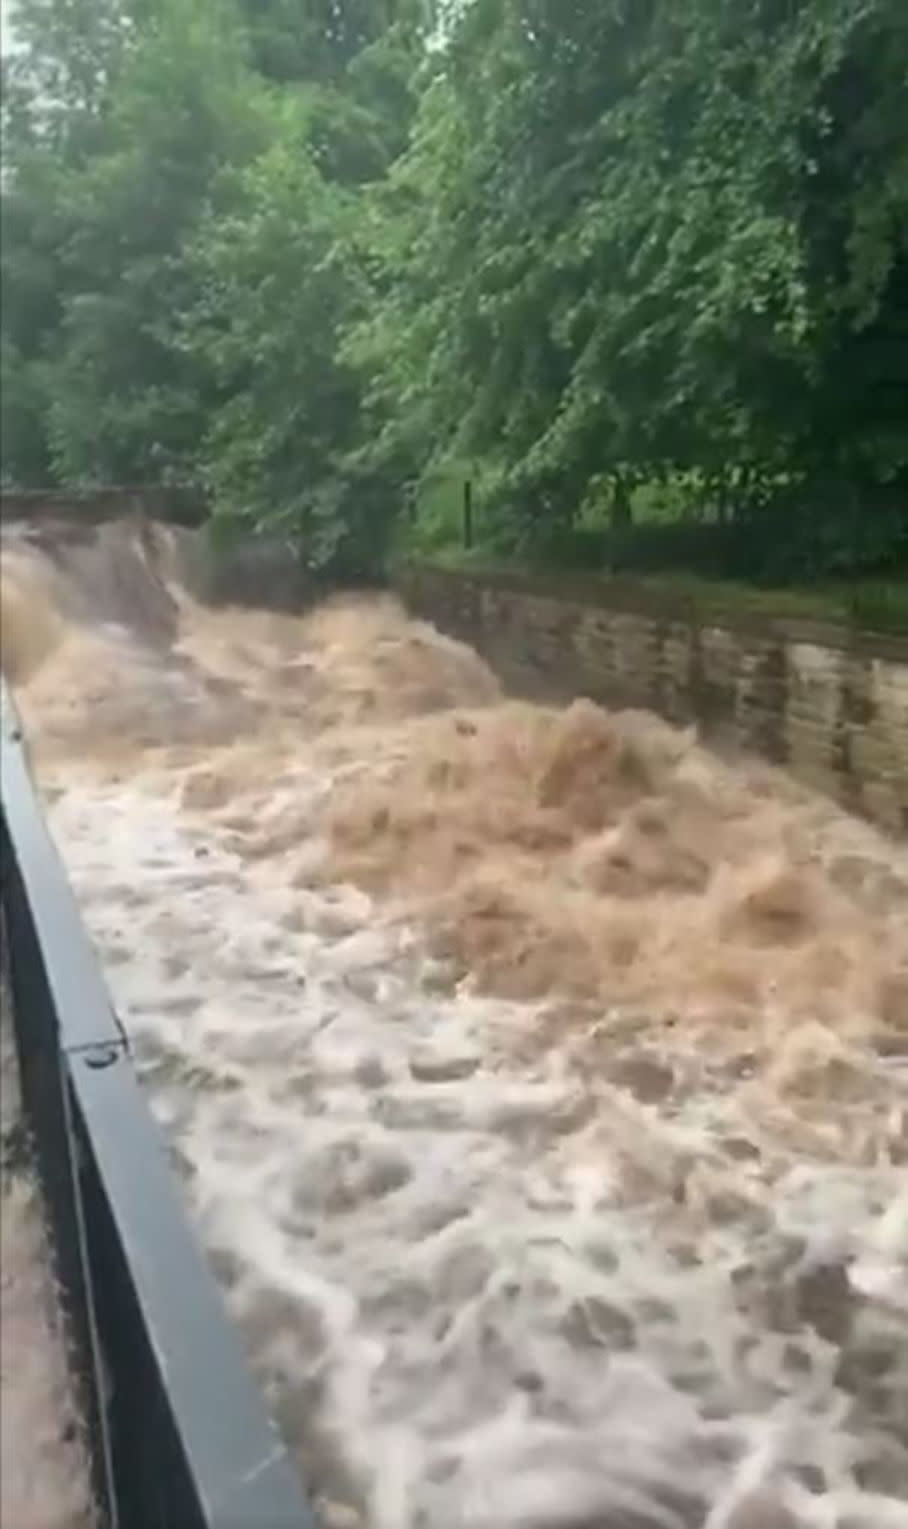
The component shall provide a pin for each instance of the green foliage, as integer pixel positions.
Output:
(644, 263)
(656, 244)
(274, 287)
(109, 229)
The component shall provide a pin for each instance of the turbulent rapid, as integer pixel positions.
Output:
(538, 1082)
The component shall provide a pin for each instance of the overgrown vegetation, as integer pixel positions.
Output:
(631, 262)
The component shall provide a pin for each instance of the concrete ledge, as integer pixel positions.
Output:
(90, 505)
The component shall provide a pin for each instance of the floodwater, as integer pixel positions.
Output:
(537, 1081)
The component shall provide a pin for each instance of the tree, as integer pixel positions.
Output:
(305, 248)
(634, 242)
(273, 289)
(120, 400)
(276, 284)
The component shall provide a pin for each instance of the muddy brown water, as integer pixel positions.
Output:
(537, 1081)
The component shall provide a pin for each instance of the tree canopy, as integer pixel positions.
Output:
(299, 251)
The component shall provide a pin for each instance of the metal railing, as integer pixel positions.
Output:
(178, 1434)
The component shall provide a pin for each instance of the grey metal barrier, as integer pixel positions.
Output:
(178, 1433)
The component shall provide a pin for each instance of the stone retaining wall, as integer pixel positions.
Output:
(828, 702)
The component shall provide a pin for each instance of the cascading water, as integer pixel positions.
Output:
(538, 1082)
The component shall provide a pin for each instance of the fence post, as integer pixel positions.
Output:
(468, 514)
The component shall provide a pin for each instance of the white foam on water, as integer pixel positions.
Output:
(501, 1263)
